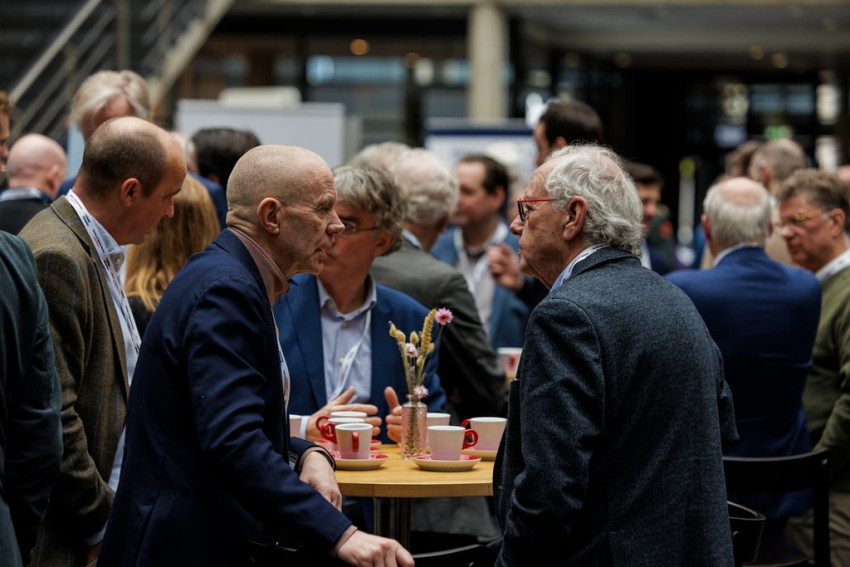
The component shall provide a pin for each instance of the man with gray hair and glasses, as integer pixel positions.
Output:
(814, 218)
(612, 448)
(763, 316)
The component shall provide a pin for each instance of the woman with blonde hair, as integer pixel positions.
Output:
(152, 264)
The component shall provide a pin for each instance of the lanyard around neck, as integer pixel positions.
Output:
(112, 277)
(348, 361)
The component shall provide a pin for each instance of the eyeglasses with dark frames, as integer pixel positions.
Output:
(523, 213)
(351, 229)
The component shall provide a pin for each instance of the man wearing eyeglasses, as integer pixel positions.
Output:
(814, 220)
(612, 448)
(763, 316)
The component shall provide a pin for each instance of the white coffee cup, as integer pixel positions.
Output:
(435, 418)
(323, 422)
(353, 440)
(509, 357)
(295, 425)
(489, 431)
(358, 414)
(447, 441)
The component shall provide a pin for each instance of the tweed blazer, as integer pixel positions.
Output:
(90, 361)
(30, 431)
(510, 313)
(612, 451)
(470, 374)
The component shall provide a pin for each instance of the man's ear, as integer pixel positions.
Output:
(131, 190)
(560, 142)
(574, 219)
(706, 226)
(383, 242)
(267, 214)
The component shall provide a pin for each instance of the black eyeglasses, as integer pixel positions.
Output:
(351, 229)
(523, 213)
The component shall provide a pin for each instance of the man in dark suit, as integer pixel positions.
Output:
(764, 317)
(612, 451)
(35, 169)
(470, 373)
(210, 463)
(30, 431)
(130, 173)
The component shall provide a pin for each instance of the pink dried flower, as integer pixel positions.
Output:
(420, 392)
(444, 316)
(411, 350)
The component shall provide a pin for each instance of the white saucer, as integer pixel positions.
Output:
(465, 463)
(373, 462)
(484, 454)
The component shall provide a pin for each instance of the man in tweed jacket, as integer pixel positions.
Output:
(130, 173)
(612, 450)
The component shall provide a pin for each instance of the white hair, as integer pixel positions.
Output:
(596, 174)
(97, 90)
(428, 185)
(739, 211)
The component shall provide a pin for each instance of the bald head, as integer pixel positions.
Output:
(36, 161)
(775, 161)
(285, 173)
(124, 148)
(737, 211)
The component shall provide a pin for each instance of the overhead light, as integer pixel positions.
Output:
(779, 60)
(411, 60)
(756, 52)
(359, 47)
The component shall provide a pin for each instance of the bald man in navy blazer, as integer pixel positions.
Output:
(764, 317)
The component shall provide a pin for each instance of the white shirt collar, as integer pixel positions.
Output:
(834, 266)
(733, 248)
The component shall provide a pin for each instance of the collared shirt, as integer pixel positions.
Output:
(411, 238)
(347, 336)
(645, 260)
(568, 271)
(24, 193)
(273, 279)
(736, 247)
(834, 266)
(476, 271)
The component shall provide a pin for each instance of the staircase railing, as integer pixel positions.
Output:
(157, 39)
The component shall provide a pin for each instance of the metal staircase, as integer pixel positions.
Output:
(48, 47)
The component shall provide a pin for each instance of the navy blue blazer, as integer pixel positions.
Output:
(207, 458)
(298, 315)
(764, 317)
(510, 313)
(612, 450)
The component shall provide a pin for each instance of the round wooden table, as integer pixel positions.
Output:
(397, 481)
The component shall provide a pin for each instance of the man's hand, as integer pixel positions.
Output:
(504, 266)
(393, 418)
(318, 473)
(340, 403)
(366, 549)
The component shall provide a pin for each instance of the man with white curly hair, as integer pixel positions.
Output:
(613, 443)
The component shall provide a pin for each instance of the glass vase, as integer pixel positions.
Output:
(414, 416)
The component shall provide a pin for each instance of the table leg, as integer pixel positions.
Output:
(392, 519)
